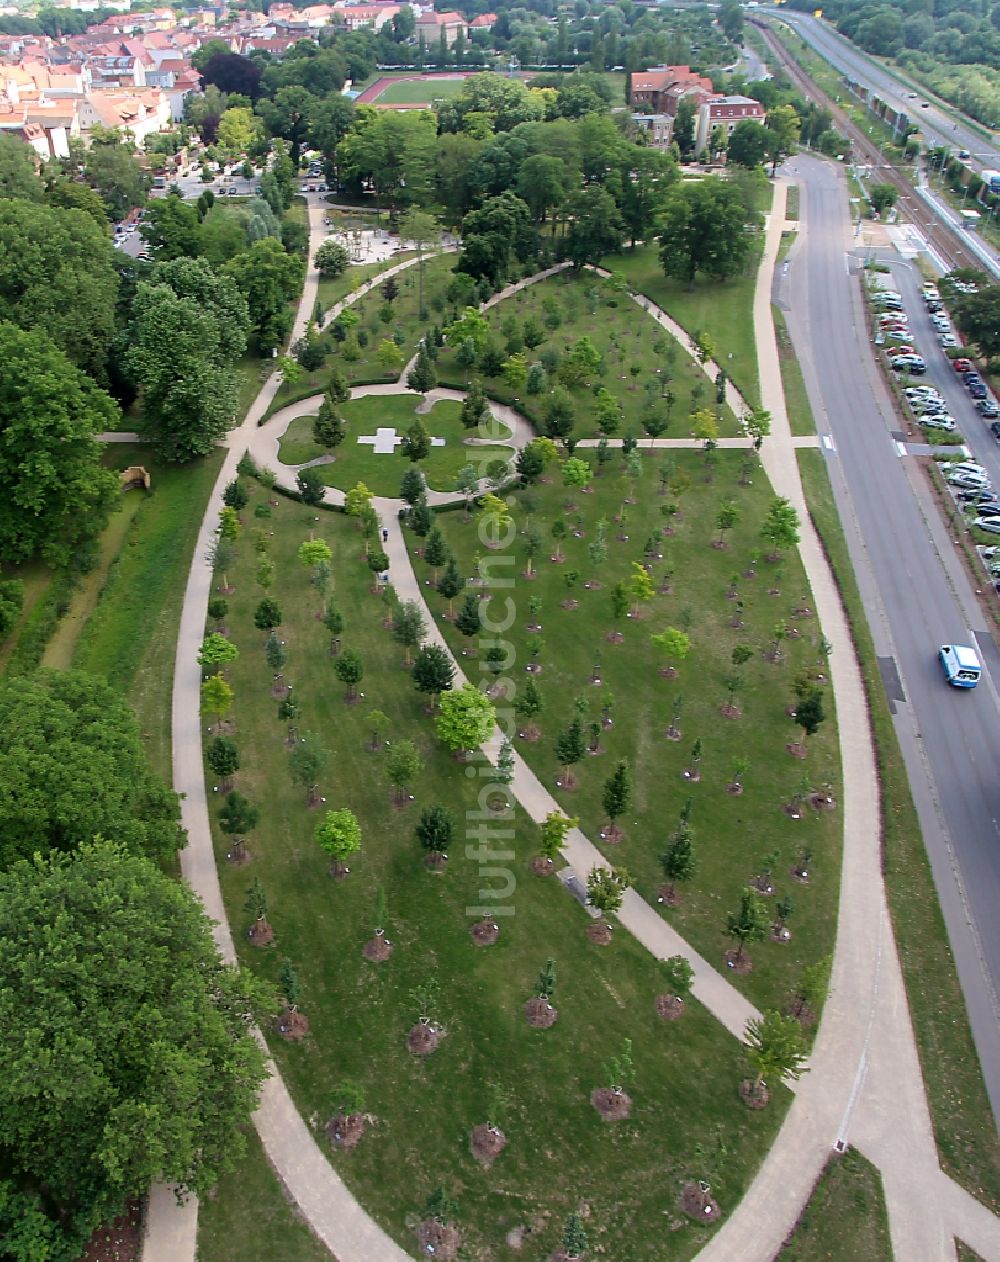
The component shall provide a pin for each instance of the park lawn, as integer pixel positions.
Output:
(406, 324)
(797, 406)
(733, 834)
(641, 359)
(687, 1119)
(420, 91)
(333, 289)
(130, 636)
(59, 651)
(36, 577)
(967, 1141)
(356, 462)
(249, 1216)
(845, 1217)
(723, 310)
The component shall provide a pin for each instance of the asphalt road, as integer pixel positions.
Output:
(915, 594)
(938, 127)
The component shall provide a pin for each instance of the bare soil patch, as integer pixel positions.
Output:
(539, 1013)
(613, 1106)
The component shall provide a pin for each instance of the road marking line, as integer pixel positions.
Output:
(828, 442)
(900, 447)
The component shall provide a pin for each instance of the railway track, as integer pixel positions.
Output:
(947, 243)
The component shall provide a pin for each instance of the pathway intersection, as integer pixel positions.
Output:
(865, 1085)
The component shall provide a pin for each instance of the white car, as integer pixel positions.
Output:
(940, 420)
(921, 392)
(990, 524)
(930, 293)
(947, 340)
(964, 469)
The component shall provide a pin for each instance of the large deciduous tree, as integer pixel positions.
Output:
(269, 279)
(57, 274)
(127, 1057)
(704, 229)
(72, 768)
(55, 491)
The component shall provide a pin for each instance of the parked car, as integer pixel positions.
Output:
(947, 340)
(939, 420)
(934, 306)
(990, 524)
(930, 293)
(988, 408)
(976, 390)
(909, 363)
(962, 365)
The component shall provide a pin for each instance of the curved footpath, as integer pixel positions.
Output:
(865, 1086)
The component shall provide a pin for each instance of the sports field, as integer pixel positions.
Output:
(413, 90)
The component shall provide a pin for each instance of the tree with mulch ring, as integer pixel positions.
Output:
(675, 646)
(697, 1202)
(555, 826)
(678, 864)
(740, 767)
(605, 890)
(613, 1102)
(538, 1011)
(763, 878)
(487, 1142)
(238, 815)
(527, 706)
(800, 869)
(779, 930)
(615, 798)
(570, 748)
(260, 933)
(378, 948)
(435, 830)
(776, 1049)
(692, 771)
(679, 975)
(292, 1024)
(749, 924)
(823, 799)
(239, 856)
(809, 992)
(574, 1241)
(485, 932)
(424, 1037)
(437, 1236)
(338, 834)
(347, 1125)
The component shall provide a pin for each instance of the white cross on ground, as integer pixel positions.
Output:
(385, 440)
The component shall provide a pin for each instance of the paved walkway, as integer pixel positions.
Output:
(865, 1086)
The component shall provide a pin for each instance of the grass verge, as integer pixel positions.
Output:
(131, 635)
(847, 1206)
(797, 406)
(248, 1216)
(967, 1142)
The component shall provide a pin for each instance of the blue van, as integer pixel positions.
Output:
(960, 664)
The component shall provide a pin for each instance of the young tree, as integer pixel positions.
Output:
(750, 923)
(412, 486)
(678, 860)
(422, 377)
(356, 501)
(416, 444)
(402, 766)
(238, 815)
(331, 259)
(313, 553)
(333, 620)
(235, 495)
(450, 584)
(570, 748)
(757, 425)
(466, 719)
(555, 826)
(436, 553)
(216, 652)
(267, 616)
(328, 427)
(617, 795)
(435, 831)
(809, 713)
(338, 834)
(781, 526)
(378, 724)
(223, 757)
(577, 473)
(468, 620)
(216, 697)
(725, 519)
(229, 524)
(810, 990)
(408, 629)
(306, 763)
(350, 670)
(311, 486)
(606, 888)
(529, 700)
(674, 645)
(679, 976)
(640, 587)
(776, 1049)
(433, 672)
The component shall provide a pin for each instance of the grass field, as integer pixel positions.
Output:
(130, 636)
(687, 1121)
(356, 462)
(333, 288)
(419, 91)
(725, 311)
(845, 1219)
(641, 362)
(733, 833)
(36, 578)
(249, 1216)
(968, 1145)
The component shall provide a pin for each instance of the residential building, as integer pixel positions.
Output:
(726, 112)
(432, 25)
(356, 17)
(660, 89)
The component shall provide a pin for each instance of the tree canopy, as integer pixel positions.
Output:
(126, 1054)
(55, 491)
(704, 229)
(72, 768)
